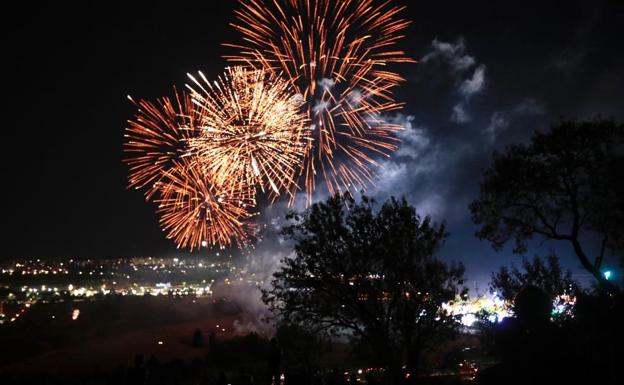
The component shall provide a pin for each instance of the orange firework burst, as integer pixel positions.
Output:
(252, 127)
(195, 211)
(156, 138)
(335, 53)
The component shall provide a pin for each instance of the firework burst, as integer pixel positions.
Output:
(336, 54)
(252, 127)
(304, 102)
(157, 137)
(195, 211)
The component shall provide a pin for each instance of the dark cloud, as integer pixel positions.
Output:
(452, 54)
(498, 122)
(469, 77)
(530, 106)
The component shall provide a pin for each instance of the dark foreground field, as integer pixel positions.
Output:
(110, 332)
(131, 340)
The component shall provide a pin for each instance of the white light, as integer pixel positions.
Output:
(468, 319)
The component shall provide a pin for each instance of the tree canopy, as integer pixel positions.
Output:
(547, 274)
(368, 273)
(564, 185)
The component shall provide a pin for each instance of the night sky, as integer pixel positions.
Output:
(489, 73)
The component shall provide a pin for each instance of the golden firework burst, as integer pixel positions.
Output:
(252, 127)
(336, 53)
(195, 211)
(156, 139)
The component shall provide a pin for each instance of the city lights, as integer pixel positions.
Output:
(28, 283)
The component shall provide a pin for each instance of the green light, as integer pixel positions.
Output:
(607, 274)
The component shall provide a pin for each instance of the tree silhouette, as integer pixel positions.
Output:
(301, 348)
(564, 185)
(369, 274)
(198, 338)
(547, 274)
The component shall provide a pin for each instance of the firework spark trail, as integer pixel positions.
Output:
(307, 102)
(157, 137)
(252, 127)
(335, 53)
(200, 156)
(195, 211)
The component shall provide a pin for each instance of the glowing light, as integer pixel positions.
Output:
(252, 129)
(467, 308)
(337, 55)
(201, 156)
(192, 213)
(468, 319)
(75, 314)
(156, 138)
(607, 274)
